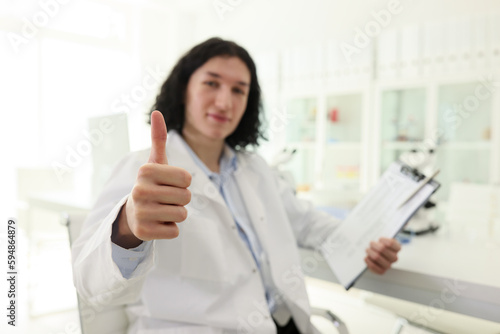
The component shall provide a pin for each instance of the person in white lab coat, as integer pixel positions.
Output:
(198, 235)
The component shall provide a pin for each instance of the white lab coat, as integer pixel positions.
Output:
(205, 280)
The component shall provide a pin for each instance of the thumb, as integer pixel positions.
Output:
(158, 139)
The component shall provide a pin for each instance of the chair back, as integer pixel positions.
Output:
(101, 319)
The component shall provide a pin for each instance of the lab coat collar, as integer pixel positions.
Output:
(247, 178)
(178, 155)
(176, 141)
(228, 160)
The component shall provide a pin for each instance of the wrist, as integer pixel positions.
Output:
(121, 234)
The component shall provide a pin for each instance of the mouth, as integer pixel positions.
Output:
(219, 118)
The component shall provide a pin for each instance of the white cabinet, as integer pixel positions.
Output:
(328, 131)
(435, 86)
(457, 118)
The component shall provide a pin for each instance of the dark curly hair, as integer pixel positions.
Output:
(170, 100)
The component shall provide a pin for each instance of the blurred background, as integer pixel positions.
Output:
(351, 86)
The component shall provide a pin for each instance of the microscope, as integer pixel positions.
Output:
(422, 161)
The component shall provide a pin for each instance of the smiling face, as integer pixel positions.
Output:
(216, 98)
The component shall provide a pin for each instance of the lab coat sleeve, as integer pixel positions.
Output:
(96, 276)
(310, 226)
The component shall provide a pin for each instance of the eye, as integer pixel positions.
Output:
(211, 83)
(238, 91)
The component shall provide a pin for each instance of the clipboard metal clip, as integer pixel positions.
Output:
(412, 173)
(422, 184)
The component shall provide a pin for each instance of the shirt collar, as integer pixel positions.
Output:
(228, 160)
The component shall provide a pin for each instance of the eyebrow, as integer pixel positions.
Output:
(215, 75)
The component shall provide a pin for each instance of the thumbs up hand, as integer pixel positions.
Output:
(158, 197)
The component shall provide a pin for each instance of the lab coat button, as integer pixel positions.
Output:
(254, 270)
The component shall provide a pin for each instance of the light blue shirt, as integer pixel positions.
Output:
(128, 259)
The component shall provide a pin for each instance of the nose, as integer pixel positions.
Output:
(223, 99)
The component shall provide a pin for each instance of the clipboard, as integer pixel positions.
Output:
(383, 212)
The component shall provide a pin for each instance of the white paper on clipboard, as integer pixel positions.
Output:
(377, 215)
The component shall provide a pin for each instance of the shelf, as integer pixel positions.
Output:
(402, 145)
(303, 145)
(421, 82)
(479, 145)
(344, 145)
(343, 182)
(406, 146)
